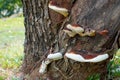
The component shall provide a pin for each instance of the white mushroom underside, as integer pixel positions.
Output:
(75, 29)
(79, 58)
(50, 57)
(62, 11)
(43, 66)
(55, 56)
(70, 33)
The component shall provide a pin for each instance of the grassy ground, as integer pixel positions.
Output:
(11, 50)
(11, 46)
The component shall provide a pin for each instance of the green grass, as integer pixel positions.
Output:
(11, 44)
(11, 56)
(11, 29)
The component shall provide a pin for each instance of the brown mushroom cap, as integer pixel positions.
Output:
(84, 57)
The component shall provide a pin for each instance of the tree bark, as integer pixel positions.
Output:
(44, 32)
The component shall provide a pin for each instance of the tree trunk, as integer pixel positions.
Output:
(44, 35)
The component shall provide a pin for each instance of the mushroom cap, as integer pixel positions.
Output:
(86, 57)
(103, 32)
(69, 32)
(44, 66)
(90, 33)
(60, 10)
(55, 56)
(75, 28)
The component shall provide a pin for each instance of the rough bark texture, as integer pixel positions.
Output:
(44, 31)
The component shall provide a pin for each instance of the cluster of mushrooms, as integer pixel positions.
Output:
(72, 30)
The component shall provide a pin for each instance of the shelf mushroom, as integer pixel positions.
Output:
(69, 32)
(86, 57)
(55, 56)
(72, 30)
(52, 5)
(43, 66)
(103, 32)
(88, 32)
(75, 28)
(48, 60)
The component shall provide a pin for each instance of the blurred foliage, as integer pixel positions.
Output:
(9, 7)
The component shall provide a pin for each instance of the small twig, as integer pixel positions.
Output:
(118, 43)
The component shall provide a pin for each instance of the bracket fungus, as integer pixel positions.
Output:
(103, 32)
(86, 57)
(55, 56)
(88, 32)
(43, 66)
(75, 28)
(72, 30)
(52, 5)
(49, 59)
(69, 32)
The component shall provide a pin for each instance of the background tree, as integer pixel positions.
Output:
(9, 7)
(45, 34)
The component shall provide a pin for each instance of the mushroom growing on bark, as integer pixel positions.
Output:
(48, 60)
(64, 11)
(81, 57)
(72, 30)
(88, 32)
(103, 32)
(75, 28)
(55, 56)
(69, 32)
(43, 66)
